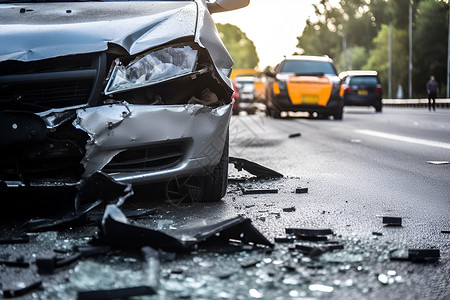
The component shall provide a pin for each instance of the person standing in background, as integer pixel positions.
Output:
(432, 92)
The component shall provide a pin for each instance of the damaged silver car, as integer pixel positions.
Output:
(139, 90)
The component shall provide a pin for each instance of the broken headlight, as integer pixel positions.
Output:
(151, 68)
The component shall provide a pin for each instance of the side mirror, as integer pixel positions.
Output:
(226, 5)
(269, 73)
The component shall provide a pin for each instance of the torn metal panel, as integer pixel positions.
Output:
(116, 231)
(113, 128)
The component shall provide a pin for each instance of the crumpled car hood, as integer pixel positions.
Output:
(46, 30)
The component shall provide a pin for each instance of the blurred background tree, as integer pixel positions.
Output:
(354, 33)
(240, 47)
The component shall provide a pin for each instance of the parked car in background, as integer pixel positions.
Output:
(247, 93)
(362, 88)
(139, 90)
(304, 83)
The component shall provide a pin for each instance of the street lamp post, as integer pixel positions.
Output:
(410, 50)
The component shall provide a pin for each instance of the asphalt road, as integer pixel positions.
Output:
(357, 171)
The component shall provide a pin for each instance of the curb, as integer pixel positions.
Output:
(421, 102)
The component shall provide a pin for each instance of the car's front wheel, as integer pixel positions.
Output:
(202, 188)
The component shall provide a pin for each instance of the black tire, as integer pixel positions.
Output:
(378, 108)
(205, 188)
(275, 113)
(338, 116)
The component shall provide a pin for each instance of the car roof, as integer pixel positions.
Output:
(324, 58)
(358, 73)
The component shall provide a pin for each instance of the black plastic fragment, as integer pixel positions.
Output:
(74, 218)
(49, 262)
(122, 293)
(15, 240)
(289, 209)
(250, 263)
(101, 186)
(423, 255)
(254, 168)
(293, 135)
(22, 291)
(116, 232)
(284, 239)
(301, 190)
(310, 251)
(445, 231)
(309, 231)
(392, 221)
(259, 191)
(377, 233)
(18, 263)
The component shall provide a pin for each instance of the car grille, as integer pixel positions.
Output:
(53, 83)
(154, 157)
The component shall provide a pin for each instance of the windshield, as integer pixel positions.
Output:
(305, 67)
(364, 80)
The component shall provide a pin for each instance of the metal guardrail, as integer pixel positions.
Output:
(421, 102)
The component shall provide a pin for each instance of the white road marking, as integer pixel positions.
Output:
(404, 139)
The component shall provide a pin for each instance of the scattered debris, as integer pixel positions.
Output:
(392, 221)
(289, 209)
(153, 266)
(309, 231)
(294, 135)
(18, 263)
(320, 288)
(423, 255)
(390, 277)
(416, 255)
(445, 231)
(123, 293)
(301, 190)
(49, 262)
(117, 232)
(438, 162)
(22, 291)
(254, 168)
(377, 233)
(284, 239)
(24, 239)
(250, 263)
(259, 191)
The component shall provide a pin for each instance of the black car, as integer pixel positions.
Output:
(362, 88)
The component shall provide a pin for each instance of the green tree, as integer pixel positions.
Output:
(430, 45)
(378, 57)
(240, 47)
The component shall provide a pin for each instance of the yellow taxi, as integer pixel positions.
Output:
(304, 83)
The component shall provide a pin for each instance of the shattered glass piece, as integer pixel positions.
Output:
(254, 168)
(383, 278)
(320, 288)
(151, 68)
(254, 293)
(391, 273)
(250, 263)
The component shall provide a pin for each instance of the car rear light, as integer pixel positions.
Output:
(377, 89)
(345, 89)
